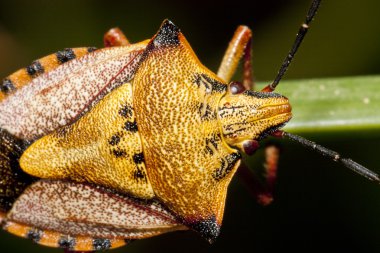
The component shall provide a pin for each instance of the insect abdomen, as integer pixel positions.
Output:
(48, 63)
(85, 217)
(58, 240)
(13, 179)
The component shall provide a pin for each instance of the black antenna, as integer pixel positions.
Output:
(300, 35)
(347, 162)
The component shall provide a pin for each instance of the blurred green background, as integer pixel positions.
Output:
(318, 205)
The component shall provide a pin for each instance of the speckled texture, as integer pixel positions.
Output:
(82, 210)
(176, 98)
(101, 148)
(59, 96)
(147, 120)
(250, 115)
(48, 63)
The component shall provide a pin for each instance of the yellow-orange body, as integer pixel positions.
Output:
(173, 132)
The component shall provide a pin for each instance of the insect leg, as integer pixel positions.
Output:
(261, 187)
(272, 155)
(239, 47)
(115, 38)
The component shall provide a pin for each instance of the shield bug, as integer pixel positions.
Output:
(100, 147)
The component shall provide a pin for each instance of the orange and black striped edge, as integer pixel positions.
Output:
(58, 240)
(48, 63)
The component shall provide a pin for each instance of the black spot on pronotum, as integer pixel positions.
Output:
(167, 35)
(207, 228)
(212, 143)
(91, 49)
(138, 158)
(115, 139)
(66, 242)
(209, 150)
(131, 126)
(126, 111)
(7, 86)
(227, 164)
(214, 140)
(211, 85)
(65, 55)
(101, 244)
(206, 112)
(34, 235)
(35, 69)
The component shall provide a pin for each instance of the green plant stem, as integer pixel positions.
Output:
(333, 104)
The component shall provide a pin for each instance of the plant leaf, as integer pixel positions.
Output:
(333, 104)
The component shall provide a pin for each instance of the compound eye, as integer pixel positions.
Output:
(236, 87)
(250, 146)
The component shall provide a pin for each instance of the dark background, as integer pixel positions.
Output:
(319, 205)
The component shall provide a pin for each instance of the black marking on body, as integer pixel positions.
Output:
(258, 94)
(91, 49)
(65, 55)
(139, 175)
(228, 109)
(7, 86)
(211, 85)
(167, 35)
(126, 111)
(115, 139)
(34, 235)
(35, 69)
(66, 242)
(212, 141)
(119, 152)
(131, 126)
(206, 112)
(101, 244)
(207, 228)
(138, 158)
(227, 164)
(13, 180)
(209, 150)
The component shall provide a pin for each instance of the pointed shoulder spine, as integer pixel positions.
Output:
(167, 35)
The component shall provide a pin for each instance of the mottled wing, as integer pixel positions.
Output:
(81, 210)
(24, 76)
(55, 98)
(50, 93)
